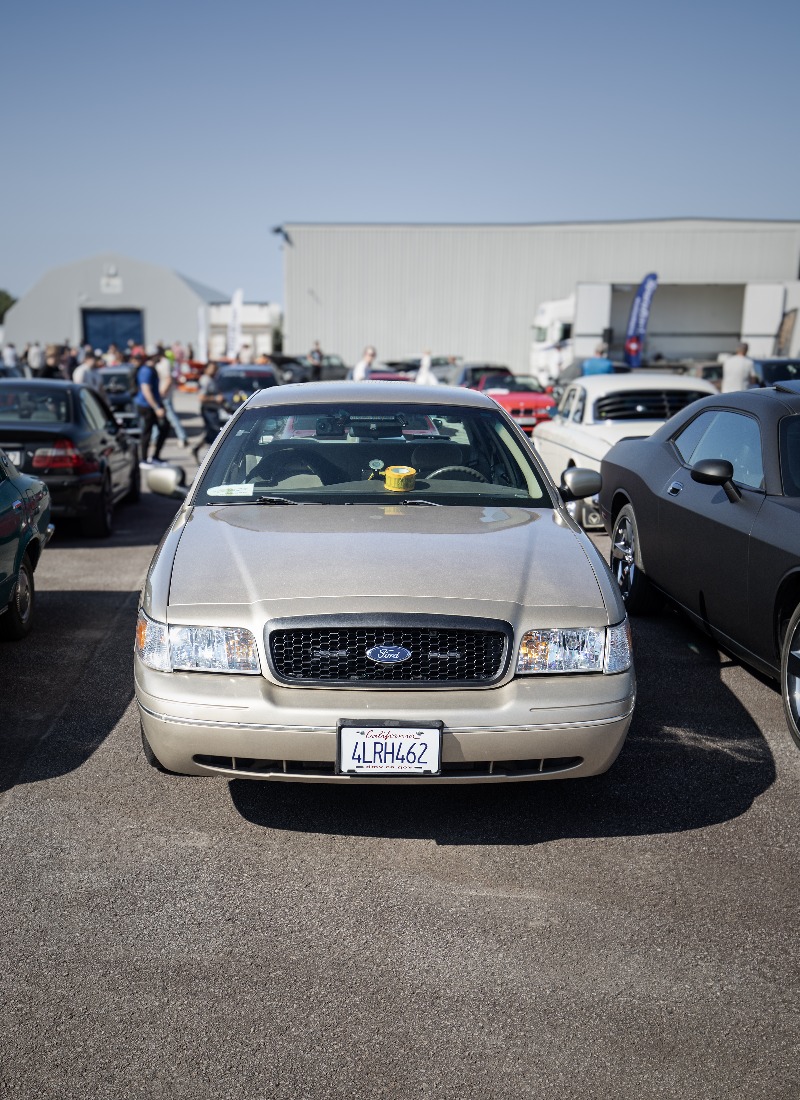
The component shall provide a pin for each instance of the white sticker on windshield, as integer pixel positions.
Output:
(241, 490)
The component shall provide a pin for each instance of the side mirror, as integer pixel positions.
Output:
(578, 483)
(716, 471)
(168, 481)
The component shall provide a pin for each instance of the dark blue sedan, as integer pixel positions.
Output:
(25, 530)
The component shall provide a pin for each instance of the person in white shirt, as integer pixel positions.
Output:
(88, 374)
(10, 356)
(364, 365)
(738, 371)
(425, 375)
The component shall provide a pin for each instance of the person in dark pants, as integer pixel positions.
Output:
(150, 408)
(210, 401)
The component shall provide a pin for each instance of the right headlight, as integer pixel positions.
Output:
(575, 649)
(195, 648)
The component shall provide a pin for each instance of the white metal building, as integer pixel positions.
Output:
(473, 290)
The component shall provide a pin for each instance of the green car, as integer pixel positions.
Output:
(25, 530)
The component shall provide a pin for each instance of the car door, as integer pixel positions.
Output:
(108, 439)
(12, 513)
(702, 554)
(551, 439)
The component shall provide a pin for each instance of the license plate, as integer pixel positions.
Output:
(389, 748)
(15, 457)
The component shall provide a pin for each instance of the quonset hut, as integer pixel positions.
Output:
(111, 299)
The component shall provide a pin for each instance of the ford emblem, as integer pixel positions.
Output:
(388, 654)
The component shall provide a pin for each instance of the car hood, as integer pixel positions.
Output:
(493, 561)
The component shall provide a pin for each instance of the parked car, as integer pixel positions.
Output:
(470, 374)
(522, 396)
(707, 512)
(597, 411)
(333, 367)
(379, 607)
(66, 435)
(237, 383)
(120, 388)
(25, 530)
(770, 371)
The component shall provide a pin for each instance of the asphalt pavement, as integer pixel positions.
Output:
(628, 936)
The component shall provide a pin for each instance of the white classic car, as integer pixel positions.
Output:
(599, 410)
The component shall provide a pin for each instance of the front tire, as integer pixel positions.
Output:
(18, 618)
(790, 675)
(626, 564)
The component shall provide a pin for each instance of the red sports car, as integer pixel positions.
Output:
(520, 395)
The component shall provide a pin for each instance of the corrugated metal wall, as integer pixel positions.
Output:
(473, 290)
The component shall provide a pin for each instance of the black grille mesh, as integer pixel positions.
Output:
(339, 654)
(644, 404)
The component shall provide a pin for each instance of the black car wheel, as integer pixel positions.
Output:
(135, 490)
(99, 523)
(17, 620)
(790, 675)
(626, 564)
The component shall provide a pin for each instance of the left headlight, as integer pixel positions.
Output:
(564, 649)
(196, 648)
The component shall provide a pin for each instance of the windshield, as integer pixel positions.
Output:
(248, 381)
(367, 454)
(35, 404)
(780, 370)
(517, 384)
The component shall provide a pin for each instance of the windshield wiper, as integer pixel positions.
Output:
(259, 500)
(418, 500)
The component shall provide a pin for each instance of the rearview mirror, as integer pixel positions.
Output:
(716, 471)
(168, 481)
(577, 483)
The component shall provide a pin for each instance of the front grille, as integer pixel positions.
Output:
(334, 651)
(644, 404)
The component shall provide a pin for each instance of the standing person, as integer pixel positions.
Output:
(315, 359)
(36, 358)
(88, 373)
(210, 402)
(600, 363)
(364, 365)
(10, 356)
(425, 375)
(166, 384)
(738, 371)
(150, 408)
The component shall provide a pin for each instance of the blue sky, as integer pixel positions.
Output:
(180, 133)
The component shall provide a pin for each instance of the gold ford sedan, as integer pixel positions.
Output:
(379, 583)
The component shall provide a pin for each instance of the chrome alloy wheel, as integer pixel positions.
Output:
(623, 555)
(23, 596)
(790, 676)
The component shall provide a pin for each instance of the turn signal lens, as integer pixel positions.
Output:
(619, 651)
(152, 643)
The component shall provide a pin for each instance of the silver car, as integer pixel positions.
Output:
(377, 582)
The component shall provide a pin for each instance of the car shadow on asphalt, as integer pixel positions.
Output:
(134, 525)
(694, 757)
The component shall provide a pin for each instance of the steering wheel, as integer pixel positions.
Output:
(276, 452)
(475, 475)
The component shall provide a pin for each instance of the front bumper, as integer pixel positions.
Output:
(531, 728)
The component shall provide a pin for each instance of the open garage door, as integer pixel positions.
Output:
(103, 327)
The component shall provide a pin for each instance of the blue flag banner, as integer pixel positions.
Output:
(637, 322)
